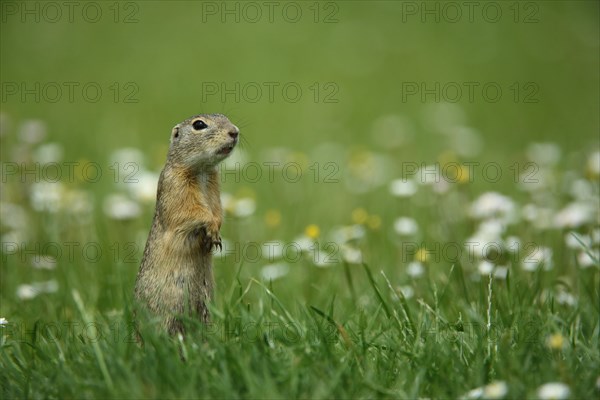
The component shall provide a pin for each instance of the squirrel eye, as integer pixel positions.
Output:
(199, 125)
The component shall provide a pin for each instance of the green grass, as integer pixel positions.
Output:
(359, 327)
(438, 346)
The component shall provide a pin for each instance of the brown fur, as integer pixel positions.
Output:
(175, 275)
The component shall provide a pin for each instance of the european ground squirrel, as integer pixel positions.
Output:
(175, 276)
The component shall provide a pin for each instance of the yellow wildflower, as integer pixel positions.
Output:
(374, 222)
(312, 231)
(555, 341)
(359, 216)
(272, 218)
(422, 255)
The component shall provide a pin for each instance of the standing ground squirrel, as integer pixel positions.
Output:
(175, 275)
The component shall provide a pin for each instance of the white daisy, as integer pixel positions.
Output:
(275, 271)
(553, 391)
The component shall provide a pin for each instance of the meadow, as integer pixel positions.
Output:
(412, 212)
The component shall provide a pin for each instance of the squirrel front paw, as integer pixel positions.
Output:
(210, 238)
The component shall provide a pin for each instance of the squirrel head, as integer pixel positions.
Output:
(202, 141)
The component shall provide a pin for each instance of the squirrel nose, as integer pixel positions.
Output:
(234, 134)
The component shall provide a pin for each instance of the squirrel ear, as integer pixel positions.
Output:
(175, 132)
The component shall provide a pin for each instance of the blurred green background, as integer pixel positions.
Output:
(361, 54)
(368, 49)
